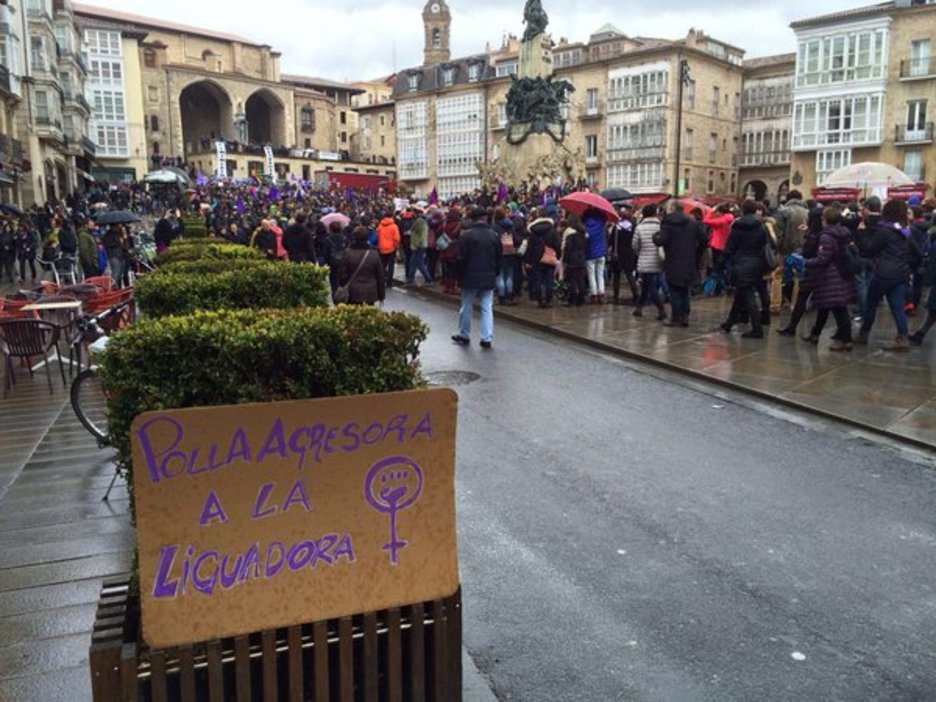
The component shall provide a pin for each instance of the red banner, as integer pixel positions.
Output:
(905, 192)
(842, 195)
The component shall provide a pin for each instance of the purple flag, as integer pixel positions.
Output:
(239, 206)
(274, 193)
(201, 179)
(434, 197)
(502, 193)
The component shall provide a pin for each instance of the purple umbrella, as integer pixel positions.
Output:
(342, 219)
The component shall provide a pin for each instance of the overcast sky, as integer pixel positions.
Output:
(364, 39)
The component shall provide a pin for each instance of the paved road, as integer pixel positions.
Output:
(625, 537)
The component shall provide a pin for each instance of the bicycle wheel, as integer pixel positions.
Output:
(90, 404)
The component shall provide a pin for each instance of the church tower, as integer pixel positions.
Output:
(437, 20)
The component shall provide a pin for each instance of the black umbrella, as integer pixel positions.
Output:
(616, 194)
(11, 209)
(117, 217)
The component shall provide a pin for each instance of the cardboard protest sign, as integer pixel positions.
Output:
(253, 517)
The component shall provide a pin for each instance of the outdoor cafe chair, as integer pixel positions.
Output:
(66, 319)
(66, 268)
(27, 339)
(103, 282)
(102, 301)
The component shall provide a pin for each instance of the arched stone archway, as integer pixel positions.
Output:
(756, 189)
(207, 114)
(266, 118)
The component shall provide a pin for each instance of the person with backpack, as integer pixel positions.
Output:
(334, 247)
(892, 248)
(792, 224)
(834, 283)
(649, 263)
(621, 255)
(418, 242)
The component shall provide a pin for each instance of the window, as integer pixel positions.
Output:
(848, 120)
(307, 119)
(828, 161)
(156, 147)
(154, 123)
(591, 101)
(383, 140)
(112, 140)
(448, 76)
(413, 81)
(152, 93)
(344, 137)
(474, 71)
(103, 42)
(844, 57)
(690, 95)
(710, 186)
(913, 165)
(105, 71)
(108, 106)
(638, 90)
(920, 57)
(37, 53)
(716, 99)
(591, 146)
(506, 69)
(916, 119)
(687, 181)
(712, 147)
(436, 38)
(42, 106)
(149, 58)
(687, 144)
(383, 120)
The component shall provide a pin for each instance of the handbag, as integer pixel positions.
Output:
(343, 291)
(507, 243)
(443, 242)
(770, 255)
(549, 257)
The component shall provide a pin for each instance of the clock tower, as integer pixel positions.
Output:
(436, 19)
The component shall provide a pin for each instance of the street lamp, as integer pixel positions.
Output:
(684, 80)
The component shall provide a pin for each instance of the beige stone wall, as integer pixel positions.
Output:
(215, 55)
(376, 138)
(324, 136)
(579, 125)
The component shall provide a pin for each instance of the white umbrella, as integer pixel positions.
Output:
(163, 176)
(870, 175)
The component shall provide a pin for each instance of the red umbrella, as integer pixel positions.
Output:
(689, 204)
(579, 202)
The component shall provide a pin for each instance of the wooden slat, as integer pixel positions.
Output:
(130, 686)
(104, 660)
(294, 639)
(455, 642)
(268, 644)
(320, 653)
(187, 674)
(345, 660)
(394, 662)
(370, 662)
(242, 666)
(215, 673)
(158, 683)
(417, 654)
(439, 636)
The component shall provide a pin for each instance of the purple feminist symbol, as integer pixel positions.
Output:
(393, 484)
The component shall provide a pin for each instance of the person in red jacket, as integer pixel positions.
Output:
(388, 241)
(719, 222)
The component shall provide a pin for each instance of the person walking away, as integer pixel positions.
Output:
(479, 261)
(929, 279)
(362, 271)
(596, 224)
(299, 240)
(540, 263)
(870, 216)
(574, 266)
(892, 247)
(745, 253)
(7, 252)
(649, 264)
(504, 226)
(681, 237)
(791, 227)
(447, 243)
(419, 242)
(719, 222)
(87, 251)
(388, 242)
(806, 280)
(834, 288)
(335, 248)
(113, 241)
(621, 255)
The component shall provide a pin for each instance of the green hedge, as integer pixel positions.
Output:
(210, 265)
(238, 356)
(188, 250)
(195, 226)
(273, 285)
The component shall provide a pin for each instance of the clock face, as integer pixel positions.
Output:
(435, 7)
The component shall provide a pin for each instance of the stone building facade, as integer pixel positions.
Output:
(13, 156)
(621, 122)
(865, 90)
(766, 120)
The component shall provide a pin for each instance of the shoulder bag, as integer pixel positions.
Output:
(341, 294)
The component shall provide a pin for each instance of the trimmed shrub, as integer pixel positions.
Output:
(210, 265)
(194, 226)
(188, 250)
(272, 285)
(231, 357)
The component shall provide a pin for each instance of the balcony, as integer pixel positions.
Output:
(902, 135)
(49, 127)
(90, 148)
(636, 153)
(38, 14)
(591, 111)
(918, 68)
(776, 157)
(593, 161)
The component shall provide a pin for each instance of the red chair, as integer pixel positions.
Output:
(15, 308)
(106, 300)
(26, 339)
(104, 282)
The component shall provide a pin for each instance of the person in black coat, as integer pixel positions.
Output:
(622, 257)
(478, 263)
(681, 237)
(299, 241)
(745, 250)
(574, 261)
(362, 272)
(542, 233)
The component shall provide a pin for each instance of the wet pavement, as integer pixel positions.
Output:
(883, 392)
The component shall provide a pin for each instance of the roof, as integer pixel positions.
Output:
(764, 61)
(314, 82)
(150, 22)
(430, 77)
(607, 28)
(853, 13)
(376, 106)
